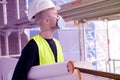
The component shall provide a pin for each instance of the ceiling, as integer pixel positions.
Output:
(90, 9)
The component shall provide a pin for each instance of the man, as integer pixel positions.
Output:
(42, 48)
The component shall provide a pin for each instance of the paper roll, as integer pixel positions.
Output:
(79, 75)
(75, 76)
(51, 70)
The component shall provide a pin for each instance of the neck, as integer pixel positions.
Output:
(47, 34)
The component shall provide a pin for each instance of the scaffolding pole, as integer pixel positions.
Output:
(4, 2)
(7, 42)
(83, 53)
(0, 47)
(18, 9)
(19, 40)
(108, 46)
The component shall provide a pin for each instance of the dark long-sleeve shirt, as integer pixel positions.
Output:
(29, 58)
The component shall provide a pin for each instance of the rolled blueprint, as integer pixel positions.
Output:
(75, 76)
(51, 70)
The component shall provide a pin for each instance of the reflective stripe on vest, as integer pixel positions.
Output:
(46, 55)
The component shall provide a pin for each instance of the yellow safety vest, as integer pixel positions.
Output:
(46, 55)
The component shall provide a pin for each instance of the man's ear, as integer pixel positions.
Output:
(46, 21)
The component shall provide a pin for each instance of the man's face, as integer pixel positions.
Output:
(52, 18)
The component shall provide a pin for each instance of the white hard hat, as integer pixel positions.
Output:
(38, 5)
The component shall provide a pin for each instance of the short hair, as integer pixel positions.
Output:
(38, 17)
(41, 15)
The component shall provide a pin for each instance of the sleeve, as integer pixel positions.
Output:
(28, 58)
